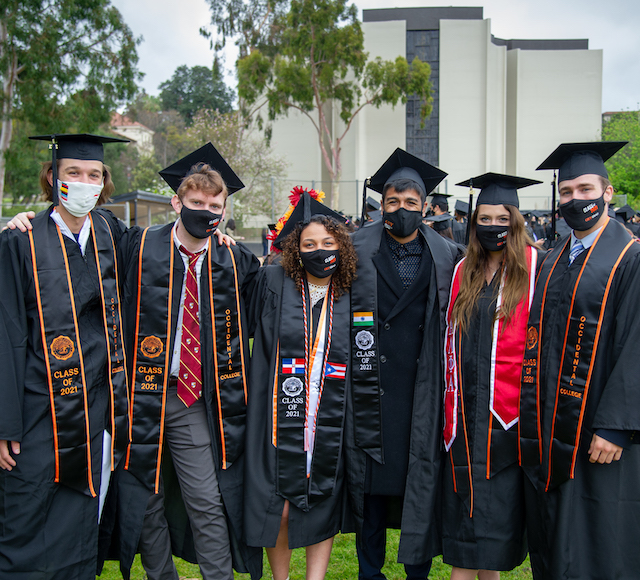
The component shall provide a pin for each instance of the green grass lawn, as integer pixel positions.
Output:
(343, 565)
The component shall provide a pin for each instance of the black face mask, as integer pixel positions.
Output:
(582, 214)
(492, 238)
(200, 223)
(402, 222)
(320, 263)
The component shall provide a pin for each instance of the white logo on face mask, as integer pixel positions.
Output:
(78, 198)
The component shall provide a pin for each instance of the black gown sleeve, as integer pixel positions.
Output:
(257, 298)
(13, 333)
(248, 266)
(128, 249)
(620, 401)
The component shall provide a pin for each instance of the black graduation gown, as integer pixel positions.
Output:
(128, 499)
(47, 530)
(494, 538)
(411, 355)
(587, 527)
(263, 505)
(459, 230)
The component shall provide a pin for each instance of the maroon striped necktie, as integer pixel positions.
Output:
(190, 378)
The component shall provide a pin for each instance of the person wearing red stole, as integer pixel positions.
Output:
(580, 394)
(294, 477)
(483, 516)
(63, 418)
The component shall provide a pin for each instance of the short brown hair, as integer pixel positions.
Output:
(203, 178)
(604, 181)
(47, 191)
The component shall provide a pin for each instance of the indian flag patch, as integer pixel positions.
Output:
(363, 319)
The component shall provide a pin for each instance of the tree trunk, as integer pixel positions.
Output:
(6, 129)
(335, 191)
(5, 140)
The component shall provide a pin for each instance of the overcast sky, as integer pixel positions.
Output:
(171, 37)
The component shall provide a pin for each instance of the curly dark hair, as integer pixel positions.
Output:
(346, 272)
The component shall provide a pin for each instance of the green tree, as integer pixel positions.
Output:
(624, 166)
(63, 64)
(252, 23)
(145, 175)
(248, 153)
(192, 89)
(320, 69)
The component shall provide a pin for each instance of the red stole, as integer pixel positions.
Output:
(507, 351)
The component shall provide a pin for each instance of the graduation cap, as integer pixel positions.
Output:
(626, 212)
(440, 222)
(462, 207)
(441, 199)
(84, 146)
(175, 173)
(372, 204)
(575, 159)
(306, 208)
(403, 165)
(498, 189)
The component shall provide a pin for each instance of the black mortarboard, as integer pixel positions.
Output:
(372, 204)
(441, 199)
(440, 222)
(79, 146)
(462, 207)
(74, 146)
(498, 189)
(575, 159)
(626, 211)
(403, 165)
(175, 173)
(302, 213)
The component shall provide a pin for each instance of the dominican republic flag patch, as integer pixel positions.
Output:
(363, 319)
(335, 371)
(293, 366)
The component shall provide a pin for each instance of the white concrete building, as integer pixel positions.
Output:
(140, 135)
(499, 105)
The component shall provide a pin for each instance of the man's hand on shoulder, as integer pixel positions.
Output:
(6, 460)
(224, 239)
(21, 221)
(603, 451)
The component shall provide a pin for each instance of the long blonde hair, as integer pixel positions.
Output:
(514, 262)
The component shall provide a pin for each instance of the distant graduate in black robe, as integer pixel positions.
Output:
(63, 366)
(483, 496)
(580, 390)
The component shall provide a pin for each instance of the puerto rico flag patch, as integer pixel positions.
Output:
(335, 371)
(363, 319)
(293, 366)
